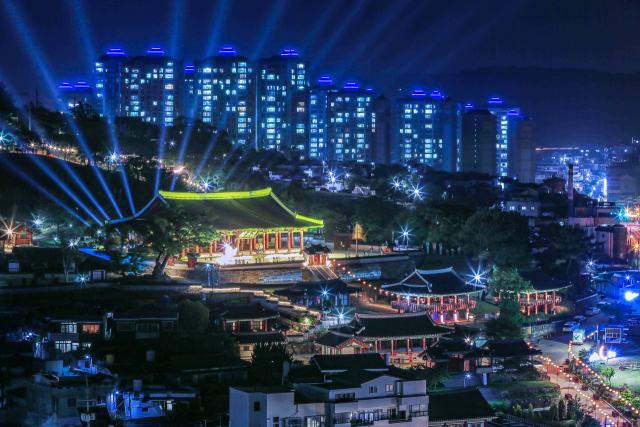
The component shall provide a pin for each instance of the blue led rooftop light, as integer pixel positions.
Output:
(325, 80)
(437, 95)
(351, 85)
(189, 68)
(227, 50)
(418, 93)
(65, 85)
(115, 51)
(81, 85)
(155, 51)
(495, 100)
(289, 52)
(468, 105)
(369, 89)
(512, 112)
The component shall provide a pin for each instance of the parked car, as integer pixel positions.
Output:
(570, 326)
(579, 319)
(592, 311)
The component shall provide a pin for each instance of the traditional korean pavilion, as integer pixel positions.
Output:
(543, 293)
(316, 254)
(396, 332)
(247, 341)
(251, 221)
(437, 292)
(323, 294)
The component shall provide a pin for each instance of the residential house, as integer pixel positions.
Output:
(72, 332)
(141, 325)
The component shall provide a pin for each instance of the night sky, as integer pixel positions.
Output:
(379, 43)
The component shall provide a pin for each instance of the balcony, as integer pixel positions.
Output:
(434, 308)
(62, 336)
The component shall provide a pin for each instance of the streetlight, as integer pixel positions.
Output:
(466, 377)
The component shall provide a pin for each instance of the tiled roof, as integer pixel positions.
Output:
(318, 289)
(254, 338)
(465, 404)
(247, 312)
(433, 283)
(344, 362)
(541, 281)
(246, 210)
(338, 340)
(397, 326)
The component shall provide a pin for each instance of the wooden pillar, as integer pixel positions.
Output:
(424, 344)
(375, 346)
(215, 245)
(392, 348)
(553, 304)
(251, 246)
(301, 239)
(289, 242)
(210, 249)
(466, 314)
(535, 309)
(408, 345)
(442, 317)
(277, 242)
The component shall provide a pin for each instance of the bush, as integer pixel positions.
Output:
(518, 411)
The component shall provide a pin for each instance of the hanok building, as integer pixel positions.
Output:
(457, 355)
(21, 235)
(246, 318)
(247, 341)
(437, 292)
(316, 254)
(250, 221)
(325, 294)
(543, 293)
(384, 333)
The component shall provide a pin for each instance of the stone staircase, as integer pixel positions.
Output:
(491, 394)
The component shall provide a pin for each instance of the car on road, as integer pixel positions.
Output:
(579, 319)
(570, 326)
(592, 311)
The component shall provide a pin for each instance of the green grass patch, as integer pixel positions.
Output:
(482, 308)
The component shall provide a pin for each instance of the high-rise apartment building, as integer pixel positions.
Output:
(351, 124)
(427, 130)
(478, 143)
(190, 92)
(152, 88)
(382, 136)
(225, 86)
(318, 95)
(524, 166)
(107, 77)
(282, 112)
(506, 134)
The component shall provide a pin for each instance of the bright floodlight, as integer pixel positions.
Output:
(71, 243)
(348, 175)
(630, 296)
(611, 354)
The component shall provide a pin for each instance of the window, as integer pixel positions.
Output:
(345, 396)
(256, 406)
(276, 421)
(68, 328)
(71, 402)
(373, 389)
(246, 348)
(148, 327)
(315, 422)
(342, 417)
(388, 388)
(418, 410)
(293, 422)
(126, 326)
(90, 329)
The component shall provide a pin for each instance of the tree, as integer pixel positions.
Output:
(518, 411)
(530, 412)
(571, 409)
(508, 283)
(442, 220)
(194, 317)
(562, 409)
(173, 229)
(565, 245)
(69, 255)
(433, 376)
(553, 411)
(496, 237)
(608, 372)
(268, 359)
(377, 218)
